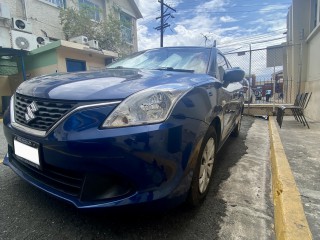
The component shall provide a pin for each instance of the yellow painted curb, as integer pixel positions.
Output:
(289, 217)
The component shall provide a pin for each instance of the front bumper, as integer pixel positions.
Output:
(92, 167)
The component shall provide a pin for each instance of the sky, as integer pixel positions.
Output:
(232, 23)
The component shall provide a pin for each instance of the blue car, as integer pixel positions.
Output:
(144, 130)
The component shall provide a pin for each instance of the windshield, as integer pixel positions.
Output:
(192, 59)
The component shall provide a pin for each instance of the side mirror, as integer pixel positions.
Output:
(233, 75)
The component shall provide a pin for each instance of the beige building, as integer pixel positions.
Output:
(303, 53)
(42, 16)
(32, 41)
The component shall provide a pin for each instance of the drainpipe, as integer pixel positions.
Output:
(300, 60)
(23, 67)
(24, 2)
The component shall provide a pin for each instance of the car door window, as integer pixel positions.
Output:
(222, 66)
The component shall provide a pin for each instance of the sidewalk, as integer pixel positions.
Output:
(301, 147)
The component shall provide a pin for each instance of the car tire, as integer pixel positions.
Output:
(202, 175)
(236, 130)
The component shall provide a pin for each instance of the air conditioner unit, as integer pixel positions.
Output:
(93, 44)
(41, 41)
(24, 41)
(4, 11)
(79, 39)
(21, 25)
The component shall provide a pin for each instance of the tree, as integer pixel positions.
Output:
(107, 32)
(77, 23)
(109, 35)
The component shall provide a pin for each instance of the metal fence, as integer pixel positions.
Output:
(267, 83)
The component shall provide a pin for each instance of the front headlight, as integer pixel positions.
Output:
(152, 105)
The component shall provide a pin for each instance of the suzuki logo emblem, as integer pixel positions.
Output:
(31, 110)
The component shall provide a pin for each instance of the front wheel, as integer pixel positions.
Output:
(203, 171)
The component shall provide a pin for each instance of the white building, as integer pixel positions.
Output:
(303, 53)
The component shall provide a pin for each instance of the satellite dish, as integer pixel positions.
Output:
(20, 24)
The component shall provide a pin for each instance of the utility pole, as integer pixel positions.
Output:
(250, 79)
(164, 16)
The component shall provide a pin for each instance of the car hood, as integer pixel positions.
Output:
(109, 84)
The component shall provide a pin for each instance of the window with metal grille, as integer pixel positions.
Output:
(126, 27)
(92, 9)
(58, 3)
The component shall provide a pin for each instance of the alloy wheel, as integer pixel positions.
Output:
(206, 166)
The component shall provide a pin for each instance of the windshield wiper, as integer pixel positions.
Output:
(174, 69)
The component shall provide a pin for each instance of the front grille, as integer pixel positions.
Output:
(48, 113)
(67, 182)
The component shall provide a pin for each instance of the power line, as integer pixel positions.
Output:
(257, 36)
(236, 6)
(228, 12)
(247, 42)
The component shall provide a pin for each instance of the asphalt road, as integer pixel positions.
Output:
(238, 205)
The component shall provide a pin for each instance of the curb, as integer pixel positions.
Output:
(289, 217)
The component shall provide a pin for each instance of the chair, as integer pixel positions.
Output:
(301, 102)
(281, 109)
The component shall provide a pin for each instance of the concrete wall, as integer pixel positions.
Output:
(92, 62)
(299, 18)
(313, 76)
(15, 81)
(43, 16)
(298, 24)
(8, 85)
(42, 71)
(5, 89)
(16, 8)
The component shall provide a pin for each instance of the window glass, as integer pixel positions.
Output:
(126, 27)
(314, 14)
(94, 10)
(59, 3)
(222, 66)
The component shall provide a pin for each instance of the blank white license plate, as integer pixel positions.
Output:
(25, 151)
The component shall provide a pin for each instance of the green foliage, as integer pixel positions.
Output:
(76, 23)
(107, 32)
